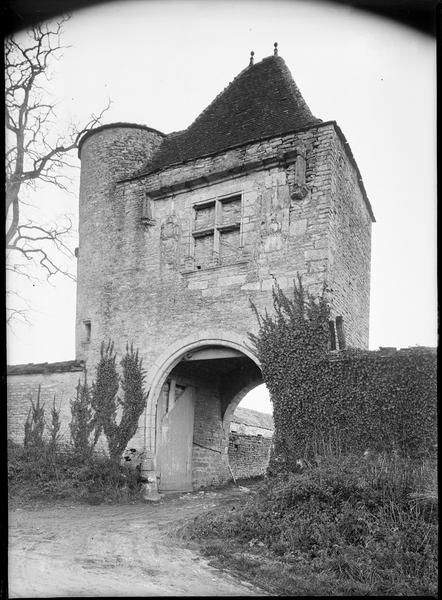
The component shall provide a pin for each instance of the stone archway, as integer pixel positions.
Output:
(216, 365)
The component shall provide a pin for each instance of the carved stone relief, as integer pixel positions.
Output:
(296, 176)
(272, 234)
(170, 234)
(273, 219)
(147, 212)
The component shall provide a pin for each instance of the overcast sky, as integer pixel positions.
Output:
(161, 63)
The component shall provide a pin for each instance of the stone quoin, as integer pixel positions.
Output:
(178, 232)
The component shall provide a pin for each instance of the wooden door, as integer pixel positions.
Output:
(175, 444)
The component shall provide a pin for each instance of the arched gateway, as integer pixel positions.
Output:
(178, 233)
(195, 386)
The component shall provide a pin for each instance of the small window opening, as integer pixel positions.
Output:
(216, 232)
(331, 325)
(87, 330)
(340, 332)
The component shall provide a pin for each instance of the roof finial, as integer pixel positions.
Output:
(275, 51)
(251, 58)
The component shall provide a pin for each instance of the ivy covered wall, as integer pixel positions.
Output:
(343, 401)
(357, 400)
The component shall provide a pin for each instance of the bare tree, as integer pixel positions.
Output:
(35, 151)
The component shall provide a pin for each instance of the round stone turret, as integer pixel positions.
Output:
(116, 150)
(108, 154)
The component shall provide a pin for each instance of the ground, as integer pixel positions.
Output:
(120, 550)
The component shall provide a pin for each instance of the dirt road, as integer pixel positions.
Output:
(118, 550)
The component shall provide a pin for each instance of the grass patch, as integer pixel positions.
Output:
(345, 526)
(45, 476)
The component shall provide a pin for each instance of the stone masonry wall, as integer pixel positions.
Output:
(62, 385)
(249, 455)
(21, 388)
(209, 459)
(117, 153)
(134, 282)
(349, 248)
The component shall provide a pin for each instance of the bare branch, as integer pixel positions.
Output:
(35, 152)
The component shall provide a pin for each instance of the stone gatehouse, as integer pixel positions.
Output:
(178, 232)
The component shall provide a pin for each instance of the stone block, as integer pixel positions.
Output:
(254, 285)
(197, 285)
(231, 280)
(316, 254)
(211, 293)
(298, 227)
(267, 284)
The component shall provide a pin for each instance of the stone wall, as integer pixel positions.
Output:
(349, 247)
(117, 152)
(209, 459)
(249, 455)
(22, 387)
(139, 282)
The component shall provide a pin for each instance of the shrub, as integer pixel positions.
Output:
(34, 425)
(94, 481)
(106, 402)
(54, 428)
(104, 391)
(370, 526)
(82, 423)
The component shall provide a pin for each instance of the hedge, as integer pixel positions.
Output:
(345, 401)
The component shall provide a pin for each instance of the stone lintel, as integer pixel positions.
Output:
(213, 353)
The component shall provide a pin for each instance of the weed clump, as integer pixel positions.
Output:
(62, 476)
(360, 526)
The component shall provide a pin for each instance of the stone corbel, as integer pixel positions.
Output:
(298, 187)
(147, 214)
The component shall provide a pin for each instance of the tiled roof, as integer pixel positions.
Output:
(262, 101)
(253, 418)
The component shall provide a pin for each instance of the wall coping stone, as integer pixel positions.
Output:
(45, 368)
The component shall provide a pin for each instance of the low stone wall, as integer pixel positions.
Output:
(248, 455)
(22, 385)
